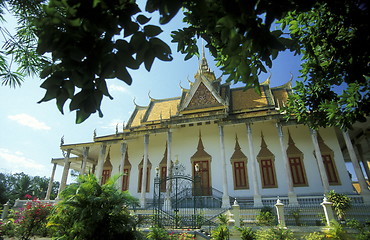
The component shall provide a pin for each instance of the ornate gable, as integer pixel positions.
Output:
(203, 95)
(203, 98)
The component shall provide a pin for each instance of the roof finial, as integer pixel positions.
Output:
(203, 52)
(203, 65)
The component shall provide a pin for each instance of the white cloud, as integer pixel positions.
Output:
(29, 121)
(17, 162)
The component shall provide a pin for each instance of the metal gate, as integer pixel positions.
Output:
(177, 200)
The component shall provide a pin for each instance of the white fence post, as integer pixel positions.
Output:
(280, 212)
(329, 214)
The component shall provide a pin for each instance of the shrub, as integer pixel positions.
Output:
(247, 233)
(265, 217)
(364, 229)
(220, 233)
(275, 233)
(158, 233)
(341, 203)
(29, 221)
(315, 236)
(336, 231)
(90, 211)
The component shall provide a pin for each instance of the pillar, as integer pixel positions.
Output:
(291, 194)
(51, 181)
(235, 210)
(63, 181)
(225, 195)
(167, 203)
(100, 167)
(356, 166)
(328, 210)
(280, 213)
(122, 164)
(320, 163)
(85, 153)
(145, 170)
(361, 158)
(257, 195)
(5, 213)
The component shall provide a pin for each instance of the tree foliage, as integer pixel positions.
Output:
(333, 39)
(95, 40)
(90, 211)
(19, 185)
(18, 56)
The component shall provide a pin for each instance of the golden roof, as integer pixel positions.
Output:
(161, 109)
(247, 99)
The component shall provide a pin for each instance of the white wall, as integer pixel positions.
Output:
(185, 142)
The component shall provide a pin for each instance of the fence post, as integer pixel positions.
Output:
(280, 212)
(235, 210)
(5, 213)
(329, 214)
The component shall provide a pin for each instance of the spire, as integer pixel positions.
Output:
(238, 154)
(237, 146)
(203, 64)
(200, 142)
(290, 139)
(263, 143)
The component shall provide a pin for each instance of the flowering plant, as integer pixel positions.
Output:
(32, 219)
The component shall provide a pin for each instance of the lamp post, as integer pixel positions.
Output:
(157, 201)
(196, 182)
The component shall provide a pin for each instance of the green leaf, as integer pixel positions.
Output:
(130, 28)
(81, 116)
(149, 59)
(61, 99)
(142, 19)
(152, 31)
(122, 74)
(51, 93)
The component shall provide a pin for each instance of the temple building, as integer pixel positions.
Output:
(235, 140)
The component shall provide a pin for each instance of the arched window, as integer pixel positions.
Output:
(107, 169)
(266, 161)
(203, 160)
(329, 163)
(296, 164)
(239, 164)
(126, 172)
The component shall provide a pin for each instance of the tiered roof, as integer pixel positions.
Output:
(208, 99)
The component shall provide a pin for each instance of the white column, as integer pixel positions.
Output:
(257, 195)
(145, 170)
(328, 210)
(63, 181)
(360, 177)
(122, 164)
(225, 195)
(291, 194)
(85, 153)
(167, 202)
(51, 181)
(279, 206)
(361, 158)
(320, 163)
(99, 173)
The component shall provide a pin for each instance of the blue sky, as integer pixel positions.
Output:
(30, 133)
